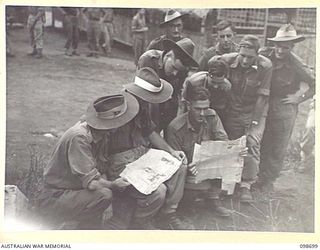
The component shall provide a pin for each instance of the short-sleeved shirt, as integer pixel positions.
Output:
(218, 92)
(108, 14)
(137, 23)
(211, 52)
(74, 161)
(182, 136)
(286, 78)
(157, 43)
(133, 134)
(247, 84)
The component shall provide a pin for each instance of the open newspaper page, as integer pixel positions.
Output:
(220, 160)
(150, 170)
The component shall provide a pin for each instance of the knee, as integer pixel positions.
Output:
(104, 194)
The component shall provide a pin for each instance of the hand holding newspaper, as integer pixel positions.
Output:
(150, 170)
(220, 160)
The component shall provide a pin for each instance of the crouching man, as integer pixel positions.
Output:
(200, 123)
(73, 187)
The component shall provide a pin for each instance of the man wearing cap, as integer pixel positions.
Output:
(73, 187)
(173, 25)
(225, 37)
(215, 82)
(168, 64)
(250, 75)
(286, 94)
(132, 140)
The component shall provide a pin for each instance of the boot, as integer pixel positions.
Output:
(39, 54)
(171, 221)
(33, 53)
(218, 208)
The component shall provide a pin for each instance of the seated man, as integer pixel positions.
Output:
(215, 81)
(131, 141)
(172, 64)
(200, 123)
(73, 187)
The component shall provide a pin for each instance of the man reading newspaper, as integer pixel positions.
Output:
(199, 124)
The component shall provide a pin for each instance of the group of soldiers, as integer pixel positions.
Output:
(238, 89)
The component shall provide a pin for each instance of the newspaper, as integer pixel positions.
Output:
(150, 170)
(220, 160)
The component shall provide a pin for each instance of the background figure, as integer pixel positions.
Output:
(107, 30)
(36, 21)
(9, 53)
(93, 30)
(71, 19)
(139, 32)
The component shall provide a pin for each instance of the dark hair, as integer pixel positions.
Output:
(225, 24)
(218, 66)
(250, 42)
(197, 93)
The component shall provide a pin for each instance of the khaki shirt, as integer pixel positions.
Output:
(182, 136)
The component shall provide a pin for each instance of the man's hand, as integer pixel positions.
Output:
(95, 185)
(120, 184)
(244, 152)
(291, 99)
(193, 168)
(180, 155)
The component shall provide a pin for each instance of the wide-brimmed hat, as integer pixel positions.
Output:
(287, 33)
(149, 86)
(184, 48)
(170, 16)
(112, 111)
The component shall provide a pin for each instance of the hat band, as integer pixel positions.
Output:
(146, 85)
(172, 16)
(113, 113)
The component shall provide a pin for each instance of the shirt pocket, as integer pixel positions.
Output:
(251, 88)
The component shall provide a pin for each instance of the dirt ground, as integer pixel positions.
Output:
(49, 95)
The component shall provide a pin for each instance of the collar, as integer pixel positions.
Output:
(236, 63)
(220, 51)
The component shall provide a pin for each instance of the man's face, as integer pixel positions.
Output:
(174, 29)
(172, 66)
(283, 49)
(247, 57)
(225, 38)
(198, 109)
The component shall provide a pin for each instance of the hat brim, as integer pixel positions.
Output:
(189, 61)
(160, 97)
(163, 24)
(287, 39)
(104, 124)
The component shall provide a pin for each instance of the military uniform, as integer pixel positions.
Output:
(286, 78)
(72, 27)
(247, 85)
(218, 91)
(139, 37)
(211, 52)
(181, 135)
(162, 114)
(107, 30)
(35, 23)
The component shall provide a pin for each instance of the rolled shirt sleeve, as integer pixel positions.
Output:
(82, 161)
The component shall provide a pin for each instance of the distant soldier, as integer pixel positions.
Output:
(93, 30)
(36, 21)
(286, 94)
(139, 32)
(173, 25)
(107, 29)
(71, 16)
(225, 37)
(176, 57)
(250, 75)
